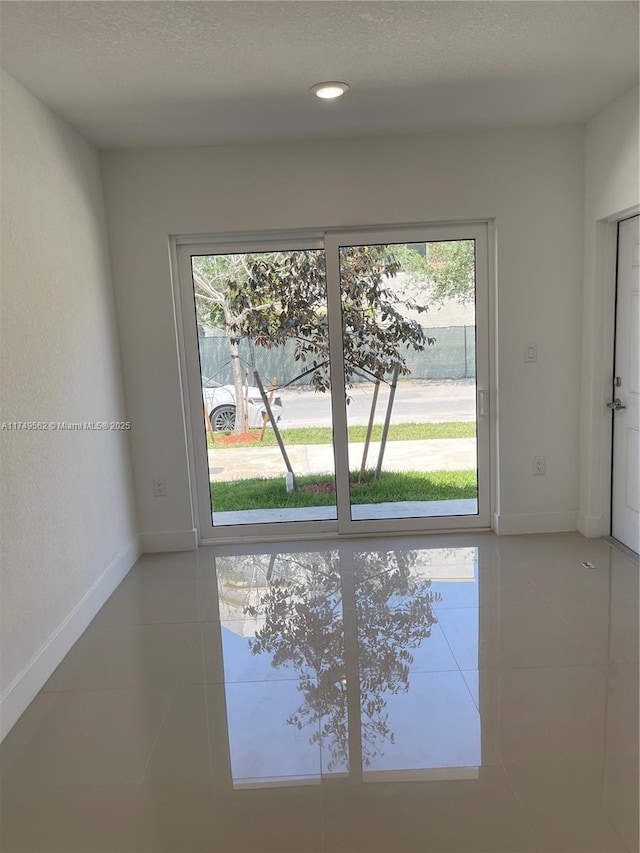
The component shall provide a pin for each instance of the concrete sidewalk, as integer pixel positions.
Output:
(359, 512)
(241, 463)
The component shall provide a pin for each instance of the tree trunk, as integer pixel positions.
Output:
(237, 384)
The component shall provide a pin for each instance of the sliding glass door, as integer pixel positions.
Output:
(339, 382)
(263, 351)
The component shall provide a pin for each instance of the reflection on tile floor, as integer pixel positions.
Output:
(458, 693)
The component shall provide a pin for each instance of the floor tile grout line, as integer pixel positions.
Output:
(148, 688)
(446, 639)
(175, 685)
(483, 728)
(155, 622)
(160, 687)
(166, 714)
(163, 722)
(529, 821)
(207, 713)
(501, 606)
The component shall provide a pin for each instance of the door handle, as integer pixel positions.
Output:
(616, 405)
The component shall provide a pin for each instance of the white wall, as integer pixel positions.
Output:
(530, 180)
(612, 189)
(67, 513)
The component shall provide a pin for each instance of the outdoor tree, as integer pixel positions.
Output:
(443, 271)
(219, 285)
(304, 628)
(377, 333)
(278, 297)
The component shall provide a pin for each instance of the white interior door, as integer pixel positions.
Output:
(625, 497)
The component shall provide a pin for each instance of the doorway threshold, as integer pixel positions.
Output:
(620, 546)
(359, 512)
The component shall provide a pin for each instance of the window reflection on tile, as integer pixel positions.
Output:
(433, 726)
(268, 737)
(352, 635)
(290, 634)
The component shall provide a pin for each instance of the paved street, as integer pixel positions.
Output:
(415, 402)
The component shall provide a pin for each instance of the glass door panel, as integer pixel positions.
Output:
(415, 368)
(266, 413)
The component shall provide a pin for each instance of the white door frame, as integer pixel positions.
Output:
(594, 518)
(183, 248)
(622, 530)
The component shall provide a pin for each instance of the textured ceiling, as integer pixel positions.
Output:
(163, 73)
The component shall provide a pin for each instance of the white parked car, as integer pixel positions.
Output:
(220, 402)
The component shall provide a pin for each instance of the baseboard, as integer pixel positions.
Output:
(592, 526)
(535, 522)
(28, 683)
(170, 540)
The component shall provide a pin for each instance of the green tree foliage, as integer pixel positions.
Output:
(276, 297)
(443, 270)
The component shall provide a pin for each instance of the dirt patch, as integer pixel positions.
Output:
(244, 438)
(321, 488)
(318, 488)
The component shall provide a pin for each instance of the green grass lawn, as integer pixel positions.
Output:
(323, 435)
(393, 486)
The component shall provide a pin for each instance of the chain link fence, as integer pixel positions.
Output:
(453, 356)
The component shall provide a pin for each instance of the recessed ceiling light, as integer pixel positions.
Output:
(332, 89)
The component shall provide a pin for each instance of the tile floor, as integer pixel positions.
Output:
(459, 693)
